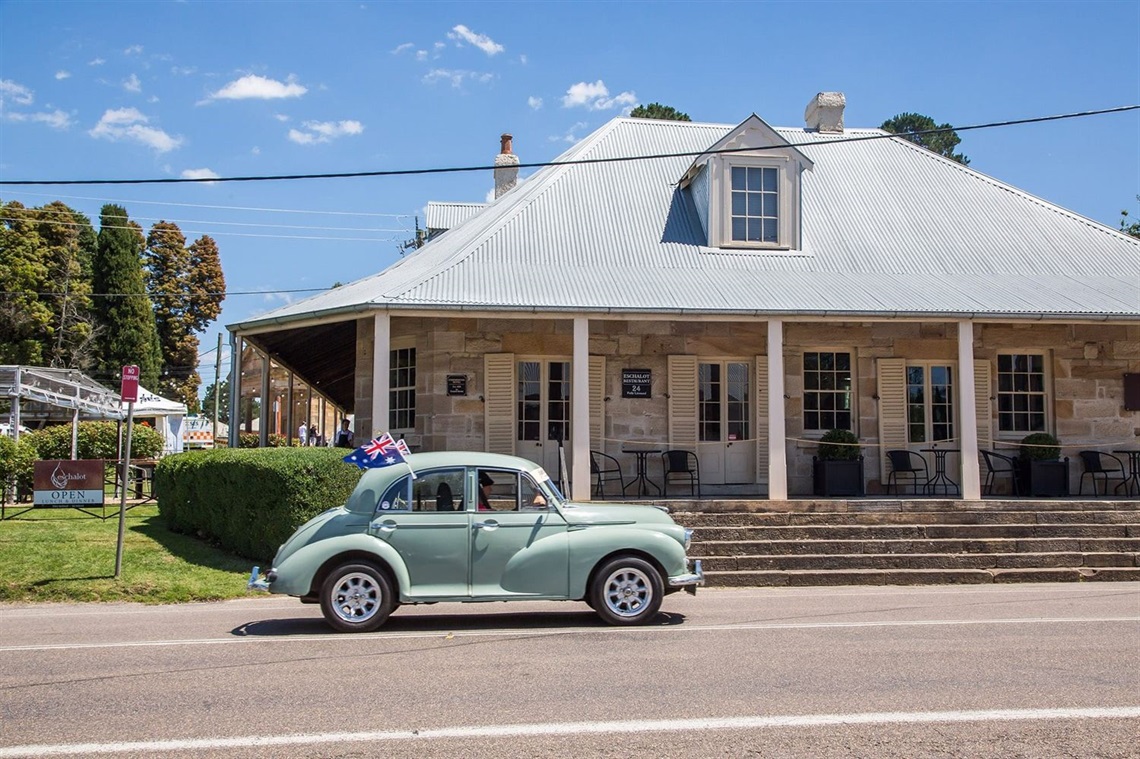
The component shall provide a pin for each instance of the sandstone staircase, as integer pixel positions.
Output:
(919, 542)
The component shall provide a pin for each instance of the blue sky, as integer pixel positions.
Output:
(125, 90)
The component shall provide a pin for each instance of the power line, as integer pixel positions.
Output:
(226, 294)
(223, 208)
(69, 213)
(543, 164)
(236, 234)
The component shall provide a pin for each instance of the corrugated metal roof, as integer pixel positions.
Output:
(450, 215)
(888, 228)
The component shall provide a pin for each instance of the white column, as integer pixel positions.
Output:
(381, 358)
(235, 391)
(266, 403)
(580, 412)
(968, 413)
(777, 449)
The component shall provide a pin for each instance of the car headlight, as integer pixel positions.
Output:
(688, 538)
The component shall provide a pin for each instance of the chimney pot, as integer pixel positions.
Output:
(505, 144)
(824, 113)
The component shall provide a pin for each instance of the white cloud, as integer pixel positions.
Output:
(596, 97)
(134, 50)
(401, 48)
(97, 61)
(256, 150)
(534, 102)
(457, 76)
(421, 55)
(261, 88)
(130, 124)
(11, 92)
(132, 84)
(522, 59)
(324, 131)
(281, 117)
(200, 174)
(183, 70)
(570, 135)
(56, 119)
(481, 41)
(62, 74)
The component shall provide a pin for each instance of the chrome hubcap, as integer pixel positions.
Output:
(628, 591)
(356, 597)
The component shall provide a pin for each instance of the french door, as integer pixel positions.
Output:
(543, 418)
(726, 442)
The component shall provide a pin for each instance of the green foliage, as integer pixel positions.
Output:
(1040, 446)
(223, 396)
(96, 440)
(658, 111)
(126, 320)
(17, 460)
(1127, 227)
(910, 124)
(252, 440)
(207, 493)
(838, 445)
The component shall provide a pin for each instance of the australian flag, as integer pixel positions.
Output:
(378, 452)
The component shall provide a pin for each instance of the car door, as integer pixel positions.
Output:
(518, 543)
(424, 519)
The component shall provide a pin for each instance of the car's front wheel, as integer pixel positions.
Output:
(356, 597)
(626, 591)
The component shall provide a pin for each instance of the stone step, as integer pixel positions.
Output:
(833, 505)
(917, 532)
(801, 578)
(834, 562)
(708, 549)
(787, 519)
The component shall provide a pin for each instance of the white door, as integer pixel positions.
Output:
(726, 443)
(543, 399)
(931, 410)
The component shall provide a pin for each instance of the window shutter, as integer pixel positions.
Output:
(982, 405)
(598, 402)
(499, 402)
(683, 402)
(892, 409)
(761, 396)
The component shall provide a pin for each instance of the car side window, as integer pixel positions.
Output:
(439, 490)
(395, 498)
(498, 490)
(533, 499)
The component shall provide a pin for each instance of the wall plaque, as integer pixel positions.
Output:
(635, 383)
(457, 384)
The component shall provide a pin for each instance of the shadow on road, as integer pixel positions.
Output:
(448, 623)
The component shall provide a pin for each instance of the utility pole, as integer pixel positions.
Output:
(217, 384)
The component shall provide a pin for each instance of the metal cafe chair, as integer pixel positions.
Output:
(906, 465)
(996, 466)
(1103, 465)
(604, 468)
(680, 463)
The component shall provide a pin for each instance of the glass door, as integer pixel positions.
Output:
(543, 399)
(726, 446)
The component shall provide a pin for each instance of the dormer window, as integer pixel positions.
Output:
(755, 205)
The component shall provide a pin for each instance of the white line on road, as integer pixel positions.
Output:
(570, 728)
(561, 631)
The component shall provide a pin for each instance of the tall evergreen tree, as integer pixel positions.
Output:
(25, 319)
(128, 334)
(658, 111)
(70, 245)
(910, 124)
(187, 288)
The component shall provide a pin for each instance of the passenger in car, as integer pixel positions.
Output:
(485, 483)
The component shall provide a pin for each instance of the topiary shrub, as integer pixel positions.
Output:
(838, 445)
(250, 501)
(1040, 446)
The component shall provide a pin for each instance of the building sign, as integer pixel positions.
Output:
(69, 483)
(457, 384)
(635, 383)
(129, 386)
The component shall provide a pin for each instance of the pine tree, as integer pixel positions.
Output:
(70, 245)
(128, 334)
(910, 124)
(25, 319)
(659, 111)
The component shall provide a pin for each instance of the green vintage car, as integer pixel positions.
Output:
(464, 526)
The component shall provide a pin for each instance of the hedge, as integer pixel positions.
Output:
(249, 501)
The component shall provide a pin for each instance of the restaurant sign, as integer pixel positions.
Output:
(636, 383)
(69, 483)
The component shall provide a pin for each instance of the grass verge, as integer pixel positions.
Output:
(67, 555)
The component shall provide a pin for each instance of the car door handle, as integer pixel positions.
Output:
(383, 526)
(489, 526)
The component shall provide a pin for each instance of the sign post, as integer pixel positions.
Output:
(129, 392)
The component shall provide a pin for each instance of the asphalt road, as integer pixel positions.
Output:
(1023, 670)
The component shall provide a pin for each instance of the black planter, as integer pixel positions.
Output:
(832, 478)
(1044, 479)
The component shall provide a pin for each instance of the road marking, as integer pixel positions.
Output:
(570, 728)
(553, 631)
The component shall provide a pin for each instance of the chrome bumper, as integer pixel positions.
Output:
(690, 581)
(255, 583)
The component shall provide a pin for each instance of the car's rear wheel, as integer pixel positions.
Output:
(356, 597)
(626, 591)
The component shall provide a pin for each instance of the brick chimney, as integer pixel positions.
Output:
(824, 113)
(506, 167)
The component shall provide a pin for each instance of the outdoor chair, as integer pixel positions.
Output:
(680, 463)
(906, 465)
(996, 466)
(604, 468)
(1103, 465)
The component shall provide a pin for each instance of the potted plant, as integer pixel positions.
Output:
(1043, 471)
(837, 469)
